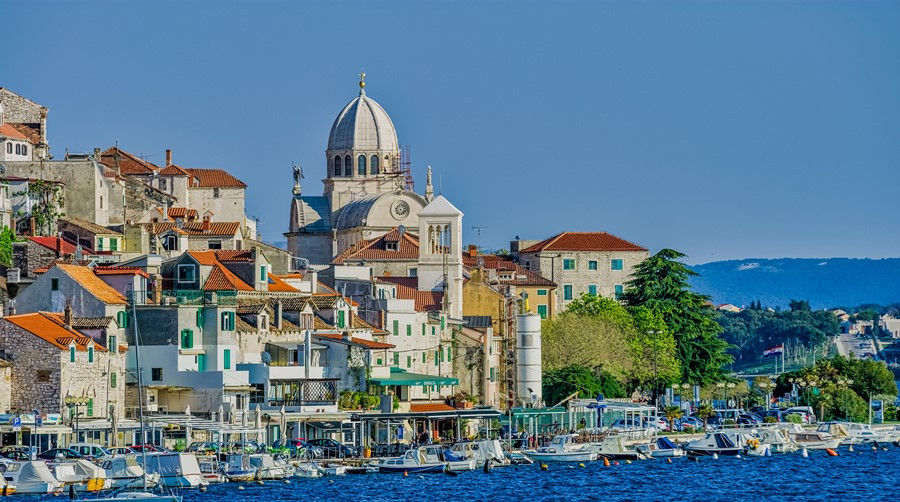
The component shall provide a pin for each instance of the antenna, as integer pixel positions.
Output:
(478, 230)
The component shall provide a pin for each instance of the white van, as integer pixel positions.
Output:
(91, 450)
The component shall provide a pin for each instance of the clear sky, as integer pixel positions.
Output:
(721, 129)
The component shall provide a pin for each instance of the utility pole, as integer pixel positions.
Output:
(478, 230)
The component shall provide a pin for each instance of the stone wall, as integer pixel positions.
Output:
(5, 388)
(28, 256)
(36, 370)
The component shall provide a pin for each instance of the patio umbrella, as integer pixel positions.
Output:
(114, 426)
(221, 414)
(257, 422)
(187, 429)
(283, 424)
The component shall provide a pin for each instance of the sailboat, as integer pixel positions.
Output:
(144, 493)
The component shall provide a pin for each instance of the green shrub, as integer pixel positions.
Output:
(769, 420)
(794, 419)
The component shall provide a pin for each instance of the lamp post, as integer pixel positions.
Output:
(802, 384)
(653, 333)
(729, 385)
(74, 403)
(721, 385)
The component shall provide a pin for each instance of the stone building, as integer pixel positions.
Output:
(579, 263)
(5, 386)
(52, 361)
(29, 120)
(368, 187)
(89, 235)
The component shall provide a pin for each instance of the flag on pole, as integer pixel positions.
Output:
(774, 351)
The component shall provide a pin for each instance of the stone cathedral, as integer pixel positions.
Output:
(366, 191)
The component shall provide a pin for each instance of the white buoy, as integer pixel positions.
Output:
(287, 481)
(804, 453)
(768, 452)
(737, 456)
(715, 456)
(851, 447)
(240, 487)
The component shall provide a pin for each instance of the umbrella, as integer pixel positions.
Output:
(187, 429)
(283, 425)
(114, 426)
(258, 421)
(187, 410)
(221, 414)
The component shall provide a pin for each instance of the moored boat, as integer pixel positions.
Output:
(662, 447)
(30, 476)
(713, 443)
(562, 448)
(815, 440)
(411, 462)
(613, 448)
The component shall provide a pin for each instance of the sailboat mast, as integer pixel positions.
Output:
(137, 362)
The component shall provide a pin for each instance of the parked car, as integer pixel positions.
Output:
(202, 447)
(296, 445)
(778, 414)
(660, 423)
(149, 448)
(334, 449)
(89, 450)
(120, 450)
(689, 423)
(806, 413)
(55, 453)
(749, 419)
(625, 425)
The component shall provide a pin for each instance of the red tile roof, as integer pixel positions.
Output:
(51, 242)
(182, 212)
(215, 178)
(11, 132)
(276, 285)
(369, 344)
(406, 290)
(583, 241)
(429, 407)
(195, 228)
(49, 327)
(502, 264)
(220, 278)
(376, 249)
(32, 132)
(234, 255)
(89, 281)
(173, 170)
(113, 270)
(90, 226)
(128, 163)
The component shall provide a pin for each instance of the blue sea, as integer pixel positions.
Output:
(861, 475)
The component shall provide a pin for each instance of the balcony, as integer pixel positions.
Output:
(297, 393)
(186, 297)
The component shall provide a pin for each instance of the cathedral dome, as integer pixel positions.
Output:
(363, 125)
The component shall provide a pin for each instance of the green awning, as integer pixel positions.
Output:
(401, 377)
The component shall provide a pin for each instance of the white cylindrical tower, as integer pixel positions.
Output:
(528, 359)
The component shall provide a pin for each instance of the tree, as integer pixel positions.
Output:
(561, 383)
(46, 208)
(585, 341)
(705, 412)
(799, 305)
(660, 284)
(653, 350)
(673, 413)
(7, 237)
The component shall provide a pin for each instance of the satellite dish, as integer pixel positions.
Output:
(401, 230)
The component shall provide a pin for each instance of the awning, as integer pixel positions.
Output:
(401, 377)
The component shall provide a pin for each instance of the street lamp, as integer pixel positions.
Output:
(729, 385)
(75, 402)
(721, 385)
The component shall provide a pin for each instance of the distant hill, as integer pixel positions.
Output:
(824, 282)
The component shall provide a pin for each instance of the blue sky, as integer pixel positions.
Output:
(721, 129)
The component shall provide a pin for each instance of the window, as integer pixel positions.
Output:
(340, 318)
(568, 263)
(409, 361)
(374, 164)
(527, 264)
(18, 149)
(378, 362)
(619, 290)
(542, 311)
(72, 354)
(337, 165)
(156, 374)
(592, 264)
(201, 362)
(433, 330)
(396, 327)
(423, 329)
(592, 289)
(112, 380)
(54, 284)
(91, 354)
(567, 292)
(226, 359)
(122, 318)
(42, 376)
(24, 149)
(99, 243)
(449, 354)
(216, 193)
(361, 165)
(437, 361)
(214, 245)
(186, 273)
(90, 407)
(542, 292)
(409, 330)
(616, 264)
(112, 344)
(262, 273)
(162, 184)
(390, 246)
(412, 272)
(492, 374)
(348, 166)
(199, 318)
(8, 147)
(397, 359)
(113, 244)
(101, 202)
(187, 339)
(227, 321)
(170, 243)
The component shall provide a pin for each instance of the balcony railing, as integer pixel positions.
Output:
(300, 393)
(186, 297)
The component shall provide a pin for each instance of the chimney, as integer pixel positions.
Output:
(168, 157)
(278, 310)
(157, 289)
(313, 280)
(31, 226)
(67, 315)
(97, 155)
(206, 224)
(58, 246)
(473, 250)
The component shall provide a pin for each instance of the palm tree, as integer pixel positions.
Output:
(705, 412)
(673, 413)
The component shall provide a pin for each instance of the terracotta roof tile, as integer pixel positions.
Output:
(429, 407)
(90, 226)
(128, 164)
(114, 270)
(89, 281)
(215, 178)
(195, 228)
(359, 323)
(91, 322)
(377, 249)
(182, 212)
(234, 255)
(173, 170)
(583, 241)
(32, 132)
(11, 132)
(51, 243)
(276, 285)
(220, 278)
(49, 327)
(502, 264)
(406, 290)
(320, 324)
(369, 344)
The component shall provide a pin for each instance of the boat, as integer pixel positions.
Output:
(815, 440)
(124, 471)
(613, 448)
(266, 467)
(562, 448)
(6, 487)
(838, 430)
(662, 447)
(30, 476)
(713, 443)
(175, 470)
(236, 467)
(363, 469)
(211, 470)
(481, 452)
(331, 470)
(779, 440)
(411, 462)
(306, 470)
(85, 476)
(863, 433)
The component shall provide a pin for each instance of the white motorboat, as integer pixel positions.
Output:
(481, 452)
(6, 487)
(778, 440)
(838, 430)
(266, 467)
(863, 433)
(613, 448)
(124, 471)
(562, 448)
(307, 470)
(662, 447)
(236, 467)
(30, 476)
(455, 463)
(331, 470)
(84, 475)
(713, 443)
(175, 470)
(413, 461)
(815, 440)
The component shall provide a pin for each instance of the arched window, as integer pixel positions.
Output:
(337, 165)
(18, 149)
(9, 148)
(387, 164)
(374, 164)
(348, 166)
(361, 165)
(24, 149)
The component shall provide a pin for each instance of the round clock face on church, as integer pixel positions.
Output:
(400, 209)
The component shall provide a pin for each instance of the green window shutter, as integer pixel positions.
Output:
(378, 361)
(199, 318)
(433, 328)
(90, 407)
(396, 327)
(443, 323)
(112, 380)
(542, 292)
(113, 244)
(201, 362)
(99, 243)
(396, 359)
(425, 388)
(340, 319)
(449, 353)
(492, 373)
(423, 329)
(226, 355)
(441, 352)
(437, 361)
(72, 354)
(542, 311)
(262, 273)
(91, 354)
(423, 356)
(408, 361)
(409, 330)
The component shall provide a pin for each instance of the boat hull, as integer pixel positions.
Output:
(413, 469)
(730, 452)
(820, 445)
(563, 457)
